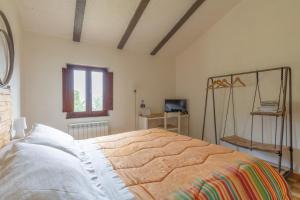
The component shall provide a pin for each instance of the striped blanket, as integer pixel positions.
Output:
(251, 180)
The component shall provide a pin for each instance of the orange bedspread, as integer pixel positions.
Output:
(155, 163)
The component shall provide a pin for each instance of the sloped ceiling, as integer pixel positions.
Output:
(105, 21)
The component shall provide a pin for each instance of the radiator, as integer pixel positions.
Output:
(85, 130)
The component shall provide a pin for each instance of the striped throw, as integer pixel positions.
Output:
(254, 180)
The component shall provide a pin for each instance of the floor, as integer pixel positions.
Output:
(294, 183)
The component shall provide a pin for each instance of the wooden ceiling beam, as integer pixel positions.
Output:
(133, 22)
(78, 21)
(177, 26)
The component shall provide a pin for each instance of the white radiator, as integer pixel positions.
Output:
(85, 130)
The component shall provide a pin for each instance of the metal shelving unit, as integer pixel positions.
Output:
(283, 113)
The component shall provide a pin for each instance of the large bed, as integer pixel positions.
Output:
(152, 164)
(146, 164)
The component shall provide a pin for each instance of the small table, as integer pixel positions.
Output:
(156, 120)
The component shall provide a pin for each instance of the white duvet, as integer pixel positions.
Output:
(39, 172)
(46, 171)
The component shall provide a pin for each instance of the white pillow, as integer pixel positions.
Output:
(37, 172)
(53, 131)
(45, 135)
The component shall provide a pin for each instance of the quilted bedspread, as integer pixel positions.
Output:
(157, 164)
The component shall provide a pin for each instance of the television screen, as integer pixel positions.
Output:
(175, 105)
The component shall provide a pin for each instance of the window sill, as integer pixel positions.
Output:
(71, 115)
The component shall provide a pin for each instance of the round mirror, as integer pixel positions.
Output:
(4, 57)
(6, 51)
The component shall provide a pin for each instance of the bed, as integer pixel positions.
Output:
(146, 164)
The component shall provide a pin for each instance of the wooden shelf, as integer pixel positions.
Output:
(155, 116)
(245, 143)
(267, 113)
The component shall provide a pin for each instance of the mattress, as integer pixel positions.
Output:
(157, 164)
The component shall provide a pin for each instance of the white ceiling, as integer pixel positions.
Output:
(105, 21)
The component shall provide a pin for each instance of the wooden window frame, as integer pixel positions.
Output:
(107, 93)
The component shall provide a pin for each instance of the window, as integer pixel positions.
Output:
(87, 91)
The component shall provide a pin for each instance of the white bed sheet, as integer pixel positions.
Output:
(98, 166)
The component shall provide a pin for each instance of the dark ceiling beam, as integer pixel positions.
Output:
(134, 20)
(78, 21)
(177, 26)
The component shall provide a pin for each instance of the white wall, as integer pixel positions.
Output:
(9, 9)
(253, 35)
(44, 57)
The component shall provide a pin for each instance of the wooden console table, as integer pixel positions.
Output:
(157, 120)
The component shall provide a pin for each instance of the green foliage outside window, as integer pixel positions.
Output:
(97, 103)
(79, 104)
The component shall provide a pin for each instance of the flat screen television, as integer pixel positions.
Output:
(175, 105)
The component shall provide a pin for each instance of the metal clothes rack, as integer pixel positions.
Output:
(285, 115)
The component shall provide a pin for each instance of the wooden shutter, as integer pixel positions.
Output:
(108, 90)
(67, 80)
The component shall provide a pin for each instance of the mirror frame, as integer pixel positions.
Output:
(10, 44)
